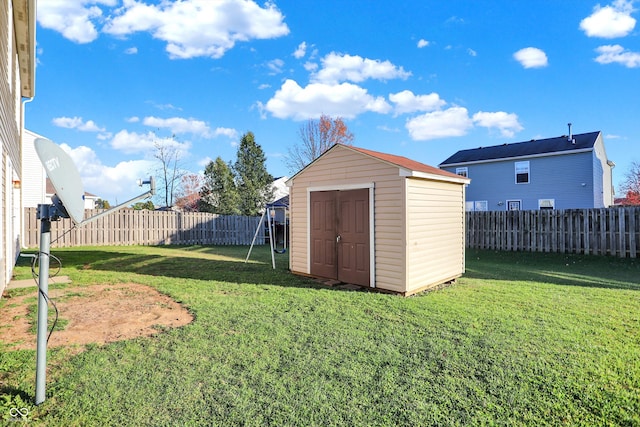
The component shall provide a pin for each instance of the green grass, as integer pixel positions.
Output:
(521, 339)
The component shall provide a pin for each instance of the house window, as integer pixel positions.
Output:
(546, 204)
(522, 172)
(481, 205)
(462, 172)
(468, 206)
(514, 205)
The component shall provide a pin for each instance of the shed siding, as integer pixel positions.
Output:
(341, 167)
(553, 177)
(435, 233)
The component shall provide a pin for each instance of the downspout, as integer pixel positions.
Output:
(32, 73)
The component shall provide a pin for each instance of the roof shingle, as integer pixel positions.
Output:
(522, 149)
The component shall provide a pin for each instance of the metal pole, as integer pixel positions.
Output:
(268, 213)
(43, 289)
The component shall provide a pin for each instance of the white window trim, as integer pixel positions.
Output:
(481, 203)
(512, 201)
(540, 202)
(516, 168)
(460, 171)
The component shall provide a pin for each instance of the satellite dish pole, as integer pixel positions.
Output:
(67, 202)
(46, 214)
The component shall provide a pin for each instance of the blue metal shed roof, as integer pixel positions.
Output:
(522, 149)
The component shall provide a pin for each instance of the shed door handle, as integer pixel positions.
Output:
(338, 238)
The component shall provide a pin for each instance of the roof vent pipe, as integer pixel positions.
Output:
(571, 139)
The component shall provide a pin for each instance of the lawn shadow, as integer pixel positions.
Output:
(553, 268)
(214, 263)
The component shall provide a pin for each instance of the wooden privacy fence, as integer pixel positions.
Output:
(144, 227)
(612, 231)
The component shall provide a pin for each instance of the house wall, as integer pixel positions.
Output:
(435, 233)
(10, 126)
(33, 184)
(559, 177)
(340, 168)
(603, 193)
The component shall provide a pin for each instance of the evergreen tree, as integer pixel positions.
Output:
(219, 193)
(254, 182)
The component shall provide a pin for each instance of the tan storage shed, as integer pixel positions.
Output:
(374, 219)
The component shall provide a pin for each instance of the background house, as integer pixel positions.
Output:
(89, 199)
(17, 67)
(565, 172)
(378, 220)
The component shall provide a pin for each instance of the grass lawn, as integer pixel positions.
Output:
(521, 339)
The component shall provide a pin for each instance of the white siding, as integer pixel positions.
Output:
(10, 124)
(34, 176)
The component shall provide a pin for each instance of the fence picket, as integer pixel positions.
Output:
(613, 231)
(143, 227)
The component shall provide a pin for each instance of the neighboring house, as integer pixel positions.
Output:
(280, 189)
(566, 172)
(89, 199)
(17, 81)
(378, 220)
(280, 199)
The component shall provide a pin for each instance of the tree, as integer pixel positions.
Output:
(316, 137)
(102, 204)
(253, 180)
(168, 154)
(188, 194)
(148, 205)
(219, 193)
(631, 185)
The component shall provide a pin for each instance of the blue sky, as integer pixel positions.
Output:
(421, 79)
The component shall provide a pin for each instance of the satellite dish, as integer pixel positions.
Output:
(64, 177)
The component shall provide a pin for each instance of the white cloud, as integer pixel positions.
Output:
(610, 21)
(337, 68)
(131, 51)
(198, 28)
(204, 161)
(77, 123)
(179, 125)
(454, 121)
(345, 100)
(423, 43)
(275, 66)
(228, 132)
(407, 102)
(617, 54)
(301, 51)
(310, 66)
(531, 57)
(472, 52)
(72, 19)
(109, 182)
(133, 119)
(133, 142)
(507, 123)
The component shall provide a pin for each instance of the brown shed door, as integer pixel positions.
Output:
(340, 235)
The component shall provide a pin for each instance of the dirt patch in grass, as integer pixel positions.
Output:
(94, 314)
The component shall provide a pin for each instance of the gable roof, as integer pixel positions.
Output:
(408, 167)
(558, 145)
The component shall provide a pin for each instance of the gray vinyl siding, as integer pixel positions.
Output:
(559, 177)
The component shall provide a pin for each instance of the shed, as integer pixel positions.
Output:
(377, 220)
